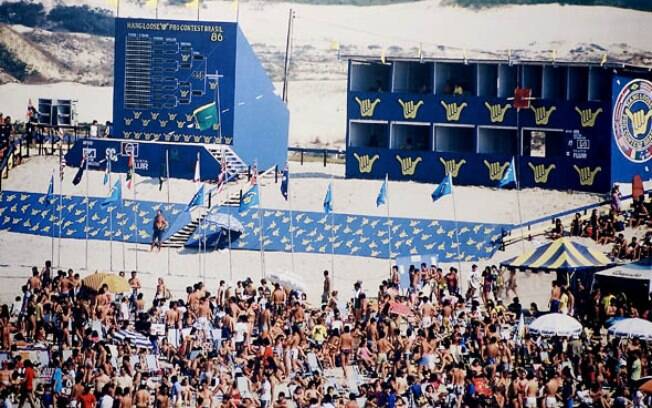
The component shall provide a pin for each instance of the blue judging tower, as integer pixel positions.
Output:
(167, 69)
(587, 125)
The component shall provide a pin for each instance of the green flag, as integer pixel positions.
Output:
(206, 116)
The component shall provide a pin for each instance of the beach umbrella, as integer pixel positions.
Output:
(134, 338)
(225, 221)
(633, 328)
(400, 309)
(116, 284)
(646, 387)
(288, 280)
(555, 324)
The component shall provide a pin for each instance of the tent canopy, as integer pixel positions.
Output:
(560, 255)
(639, 273)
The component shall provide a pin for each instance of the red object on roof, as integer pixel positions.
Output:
(522, 98)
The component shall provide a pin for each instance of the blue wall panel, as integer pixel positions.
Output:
(261, 117)
(358, 235)
(581, 162)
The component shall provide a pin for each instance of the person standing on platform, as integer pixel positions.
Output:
(160, 225)
(92, 132)
(327, 288)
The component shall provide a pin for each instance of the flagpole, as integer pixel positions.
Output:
(518, 204)
(110, 209)
(87, 213)
(167, 175)
(291, 223)
(201, 236)
(332, 232)
(60, 211)
(219, 107)
(52, 208)
(261, 214)
(156, 11)
(230, 259)
(389, 228)
(226, 177)
(457, 237)
(134, 207)
(117, 8)
(199, 181)
(198, 1)
(122, 235)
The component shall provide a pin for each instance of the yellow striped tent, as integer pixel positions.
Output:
(560, 255)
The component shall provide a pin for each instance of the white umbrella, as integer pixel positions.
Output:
(288, 280)
(555, 324)
(633, 328)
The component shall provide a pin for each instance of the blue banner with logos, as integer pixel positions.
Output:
(149, 158)
(475, 169)
(354, 234)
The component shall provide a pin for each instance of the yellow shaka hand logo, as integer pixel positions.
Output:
(496, 170)
(408, 166)
(410, 108)
(542, 115)
(365, 163)
(587, 176)
(541, 172)
(451, 167)
(367, 106)
(639, 120)
(497, 112)
(587, 116)
(453, 110)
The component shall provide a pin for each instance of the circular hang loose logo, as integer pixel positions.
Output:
(632, 120)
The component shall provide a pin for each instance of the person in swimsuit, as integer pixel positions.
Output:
(160, 225)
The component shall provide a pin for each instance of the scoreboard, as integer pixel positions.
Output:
(164, 70)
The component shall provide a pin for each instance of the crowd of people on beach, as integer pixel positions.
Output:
(607, 228)
(263, 345)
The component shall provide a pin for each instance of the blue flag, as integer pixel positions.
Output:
(510, 175)
(80, 173)
(382, 194)
(285, 181)
(328, 200)
(444, 188)
(107, 171)
(115, 197)
(249, 199)
(197, 199)
(50, 195)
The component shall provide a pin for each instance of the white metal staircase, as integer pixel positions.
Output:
(230, 196)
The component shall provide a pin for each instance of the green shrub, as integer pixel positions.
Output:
(22, 12)
(12, 65)
(643, 5)
(82, 19)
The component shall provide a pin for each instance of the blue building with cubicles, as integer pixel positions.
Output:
(588, 124)
(167, 69)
